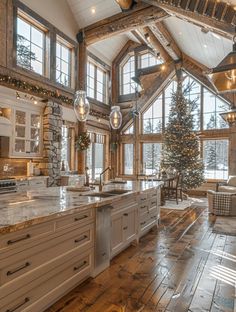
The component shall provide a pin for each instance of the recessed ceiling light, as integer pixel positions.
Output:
(93, 10)
(205, 46)
(180, 33)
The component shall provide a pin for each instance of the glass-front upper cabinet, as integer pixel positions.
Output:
(27, 134)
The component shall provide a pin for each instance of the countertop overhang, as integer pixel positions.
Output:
(19, 211)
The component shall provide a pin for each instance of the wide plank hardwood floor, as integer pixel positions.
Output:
(181, 266)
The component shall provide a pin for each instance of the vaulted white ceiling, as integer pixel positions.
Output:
(87, 12)
(206, 48)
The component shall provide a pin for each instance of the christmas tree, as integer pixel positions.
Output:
(181, 145)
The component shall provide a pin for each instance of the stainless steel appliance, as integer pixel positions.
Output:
(7, 185)
(103, 239)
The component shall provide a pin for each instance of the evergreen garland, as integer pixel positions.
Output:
(181, 144)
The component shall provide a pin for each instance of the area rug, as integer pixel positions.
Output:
(225, 225)
(170, 204)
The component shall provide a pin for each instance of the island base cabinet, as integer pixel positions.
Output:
(123, 229)
(41, 293)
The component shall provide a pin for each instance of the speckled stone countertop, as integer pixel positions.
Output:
(20, 210)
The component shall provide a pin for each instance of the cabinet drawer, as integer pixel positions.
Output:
(79, 266)
(153, 193)
(37, 183)
(124, 204)
(80, 218)
(153, 202)
(143, 207)
(143, 197)
(17, 265)
(21, 237)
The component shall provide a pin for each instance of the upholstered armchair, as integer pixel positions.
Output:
(227, 186)
(213, 209)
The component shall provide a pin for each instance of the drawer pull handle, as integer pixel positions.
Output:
(18, 269)
(153, 203)
(125, 228)
(19, 305)
(80, 266)
(142, 223)
(154, 217)
(81, 239)
(104, 254)
(143, 198)
(142, 207)
(13, 241)
(126, 214)
(81, 218)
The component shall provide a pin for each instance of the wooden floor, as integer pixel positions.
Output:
(181, 266)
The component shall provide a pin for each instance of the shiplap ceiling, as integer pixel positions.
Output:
(206, 48)
(87, 12)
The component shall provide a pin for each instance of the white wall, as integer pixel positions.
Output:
(57, 12)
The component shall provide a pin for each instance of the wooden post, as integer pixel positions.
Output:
(232, 151)
(82, 75)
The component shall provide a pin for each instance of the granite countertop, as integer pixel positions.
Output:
(20, 210)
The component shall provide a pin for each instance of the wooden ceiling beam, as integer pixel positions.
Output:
(155, 44)
(141, 16)
(167, 41)
(217, 16)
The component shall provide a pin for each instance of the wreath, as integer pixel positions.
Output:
(83, 141)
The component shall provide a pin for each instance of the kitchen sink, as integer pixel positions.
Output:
(100, 194)
(117, 192)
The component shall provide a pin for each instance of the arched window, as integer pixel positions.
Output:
(127, 71)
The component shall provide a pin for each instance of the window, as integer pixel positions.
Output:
(129, 130)
(151, 157)
(97, 83)
(212, 106)
(127, 85)
(152, 118)
(192, 91)
(30, 46)
(63, 63)
(95, 155)
(215, 156)
(128, 158)
(65, 148)
(148, 60)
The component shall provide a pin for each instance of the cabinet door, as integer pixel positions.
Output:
(130, 224)
(20, 137)
(27, 138)
(116, 233)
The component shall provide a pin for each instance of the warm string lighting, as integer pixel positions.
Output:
(26, 97)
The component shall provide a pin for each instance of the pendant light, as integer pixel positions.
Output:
(230, 116)
(115, 117)
(223, 76)
(126, 5)
(81, 105)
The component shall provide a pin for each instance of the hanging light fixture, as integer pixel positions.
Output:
(126, 5)
(223, 76)
(230, 116)
(115, 117)
(81, 105)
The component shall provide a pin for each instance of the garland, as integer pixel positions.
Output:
(42, 92)
(83, 141)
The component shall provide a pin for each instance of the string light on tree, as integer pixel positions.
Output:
(181, 144)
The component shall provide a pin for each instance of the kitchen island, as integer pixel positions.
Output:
(49, 240)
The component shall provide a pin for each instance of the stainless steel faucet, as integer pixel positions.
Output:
(101, 174)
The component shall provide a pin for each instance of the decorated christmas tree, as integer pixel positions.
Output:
(181, 144)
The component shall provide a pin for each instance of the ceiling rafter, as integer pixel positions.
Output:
(216, 16)
(166, 40)
(155, 43)
(141, 16)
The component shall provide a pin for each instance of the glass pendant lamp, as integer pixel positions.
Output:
(81, 105)
(115, 117)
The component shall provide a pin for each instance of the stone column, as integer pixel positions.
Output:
(52, 124)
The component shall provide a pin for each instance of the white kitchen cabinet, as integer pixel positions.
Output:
(27, 133)
(123, 228)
